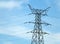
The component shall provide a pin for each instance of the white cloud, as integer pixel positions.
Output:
(7, 42)
(52, 38)
(9, 4)
(16, 31)
(12, 4)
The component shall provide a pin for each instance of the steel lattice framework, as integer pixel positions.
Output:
(38, 34)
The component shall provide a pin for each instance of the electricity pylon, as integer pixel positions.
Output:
(38, 34)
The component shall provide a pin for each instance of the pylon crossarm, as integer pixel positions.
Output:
(46, 9)
(39, 23)
(38, 32)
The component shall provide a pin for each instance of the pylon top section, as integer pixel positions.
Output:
(38, 11)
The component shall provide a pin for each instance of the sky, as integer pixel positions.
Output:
(13, 14)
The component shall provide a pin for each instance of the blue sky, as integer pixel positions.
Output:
(13, 14)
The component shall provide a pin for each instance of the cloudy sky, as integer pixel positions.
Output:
(13, 14)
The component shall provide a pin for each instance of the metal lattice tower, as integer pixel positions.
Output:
(38, 34)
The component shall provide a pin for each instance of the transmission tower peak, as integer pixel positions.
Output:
(38, 11)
